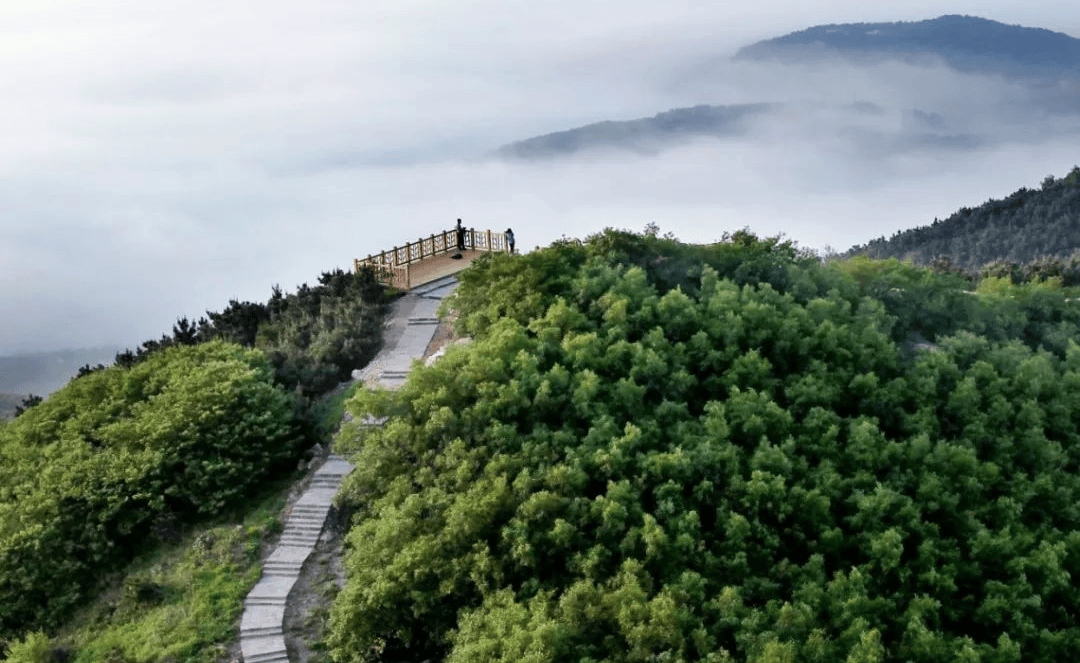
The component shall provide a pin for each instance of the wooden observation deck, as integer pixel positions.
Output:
(430, 259)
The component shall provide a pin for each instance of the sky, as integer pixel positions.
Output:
(162, 158)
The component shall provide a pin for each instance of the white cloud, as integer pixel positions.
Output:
(161, 158)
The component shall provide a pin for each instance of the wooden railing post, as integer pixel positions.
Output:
(489, 239)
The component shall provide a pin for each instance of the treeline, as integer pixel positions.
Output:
(654, 451)
(314, 337)
(1028, 226)
(125, 456)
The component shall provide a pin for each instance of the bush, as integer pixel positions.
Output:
(89, 474)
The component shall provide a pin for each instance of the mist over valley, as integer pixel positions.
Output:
(147, 182)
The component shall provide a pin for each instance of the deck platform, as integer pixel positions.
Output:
(437, 267)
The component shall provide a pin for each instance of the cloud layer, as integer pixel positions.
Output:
(162, 158)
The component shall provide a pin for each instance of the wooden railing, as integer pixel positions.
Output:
(392, 267)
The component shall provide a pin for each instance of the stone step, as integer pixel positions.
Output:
(293, 545)
(301, 534)
(268, 657)
(308, 542)
(422, 321)
(296, 532)
(309, 508)
(304, 519)
(260, 631)
(264, 601)
(306, 538)
(302, 526)
(281, 569)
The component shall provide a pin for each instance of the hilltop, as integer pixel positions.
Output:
(1025, 226)
(661, 451)
(965, 43)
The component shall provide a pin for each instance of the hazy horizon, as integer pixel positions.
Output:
(164, 159)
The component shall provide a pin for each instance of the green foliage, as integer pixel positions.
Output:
(314, 338)
(116, 457)
(630, 463)
(34, 648)
(176, 602)
(1029, 234)
(205, 583)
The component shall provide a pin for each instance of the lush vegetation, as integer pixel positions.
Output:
(178, 602)
(1036, 227)
(122, 458)
(314, 337)
(661, 452)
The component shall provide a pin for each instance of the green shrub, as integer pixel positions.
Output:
(87, 476)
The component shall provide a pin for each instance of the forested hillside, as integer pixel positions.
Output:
(1026, 226)
(655, 451)
(125, 459)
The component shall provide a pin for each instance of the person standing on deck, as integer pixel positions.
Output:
(460, 236)
(510, 240)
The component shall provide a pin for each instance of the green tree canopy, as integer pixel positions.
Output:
(734, 459)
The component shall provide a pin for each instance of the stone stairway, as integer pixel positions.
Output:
(262, 636)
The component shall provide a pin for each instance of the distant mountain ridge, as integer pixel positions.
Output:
(642, 134)
(1046, 62)
(966, 43)
(1027, 225)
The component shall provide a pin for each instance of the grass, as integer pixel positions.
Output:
(179, 603)
(331, 409)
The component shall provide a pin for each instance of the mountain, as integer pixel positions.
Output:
(647, 134)
(966, 43)
(1027, 225)
(914, 112)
